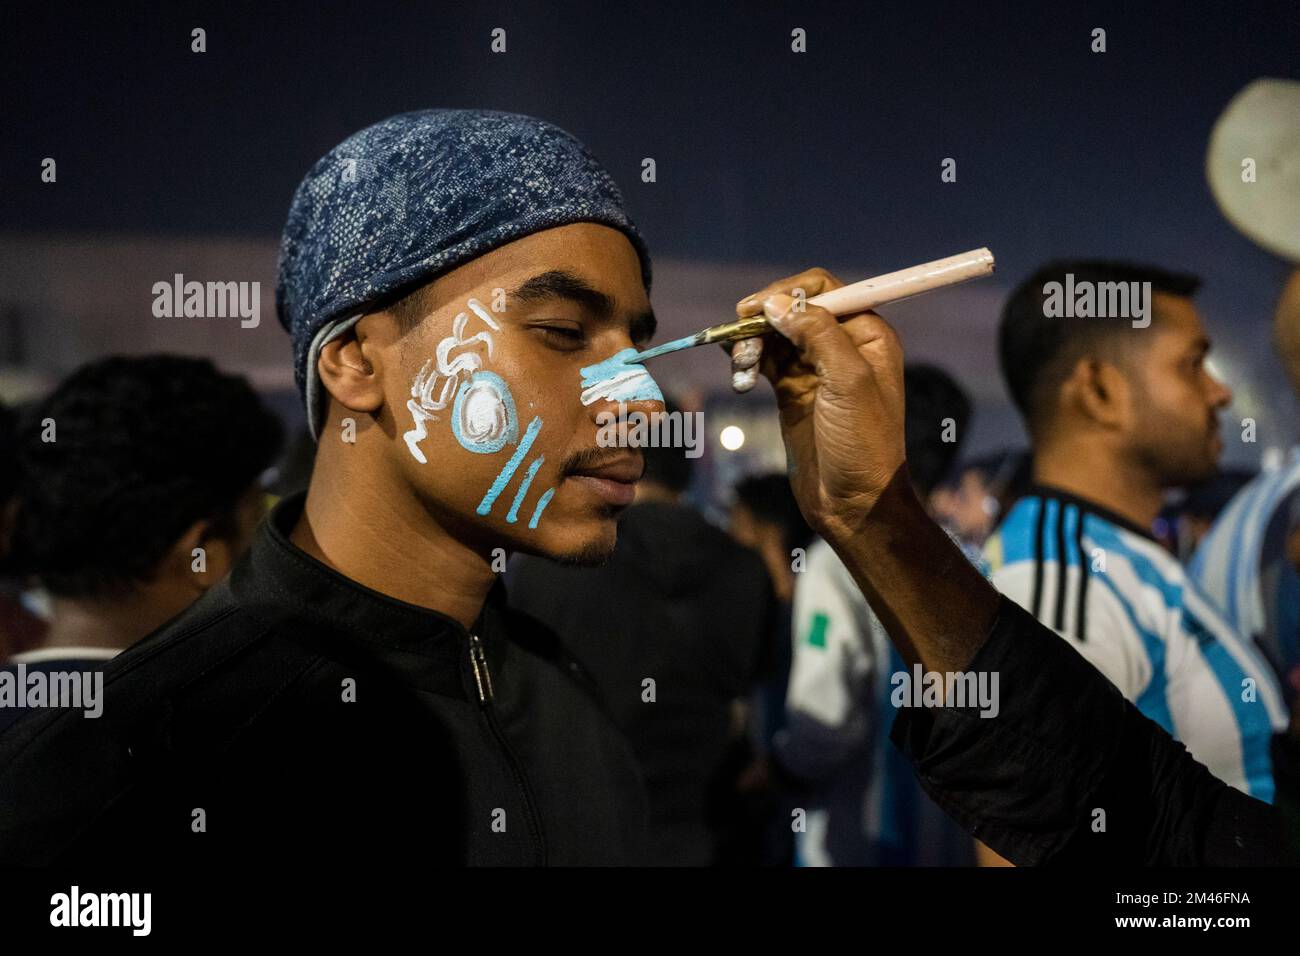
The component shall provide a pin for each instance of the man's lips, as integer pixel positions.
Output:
(615, 480)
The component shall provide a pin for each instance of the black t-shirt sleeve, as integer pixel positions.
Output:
(1068, 771)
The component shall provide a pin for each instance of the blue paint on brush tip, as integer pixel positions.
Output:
(676, 345)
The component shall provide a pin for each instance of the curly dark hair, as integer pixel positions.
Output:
(143, 447)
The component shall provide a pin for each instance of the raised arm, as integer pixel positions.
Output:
(1068, 771)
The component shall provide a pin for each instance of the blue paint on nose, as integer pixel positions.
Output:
(616, 380)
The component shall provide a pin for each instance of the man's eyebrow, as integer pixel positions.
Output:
(559, 284)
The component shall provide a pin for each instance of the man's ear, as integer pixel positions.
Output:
(1099, 391)
(348, 372)
(200, 557)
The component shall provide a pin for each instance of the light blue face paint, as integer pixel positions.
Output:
(484, 419)
(541, 506)
(617, 381)
(513, 514)
(508, 471)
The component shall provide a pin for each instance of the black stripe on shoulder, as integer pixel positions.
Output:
(1036, 607)
(1062, 568)
(1081, 615)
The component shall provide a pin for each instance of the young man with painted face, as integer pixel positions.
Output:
(297, 713)
(457, 286)
(1120, 409)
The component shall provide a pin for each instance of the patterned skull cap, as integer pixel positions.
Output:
(419, 194)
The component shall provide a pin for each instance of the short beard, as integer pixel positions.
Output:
(1178, 470)
(589, 556)
(593, 554)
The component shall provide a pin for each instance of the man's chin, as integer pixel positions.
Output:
(579, 549)
(588, 556)
(1193, 472)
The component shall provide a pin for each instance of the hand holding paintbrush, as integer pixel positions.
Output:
(842, 301)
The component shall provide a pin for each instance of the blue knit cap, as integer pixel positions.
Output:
(417, 195)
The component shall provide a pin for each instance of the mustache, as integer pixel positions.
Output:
(589, 458)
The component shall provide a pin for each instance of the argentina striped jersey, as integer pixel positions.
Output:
(1127, 606)
(1244, 566)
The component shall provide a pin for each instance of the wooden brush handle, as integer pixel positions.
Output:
(905, 283)
(869, 293)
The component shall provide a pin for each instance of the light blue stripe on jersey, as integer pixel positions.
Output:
(1254, 729)
(1071, 529)
(1227, 565)
(1017, 531)
(1246, 540)
(1153, 702)
(1252, 718)
(1049, 532)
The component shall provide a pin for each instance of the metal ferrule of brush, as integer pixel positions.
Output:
(740, 329)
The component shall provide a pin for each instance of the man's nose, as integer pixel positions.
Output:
(1220, 394)
(647, 406)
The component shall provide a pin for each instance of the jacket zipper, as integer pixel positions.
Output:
(486, 696)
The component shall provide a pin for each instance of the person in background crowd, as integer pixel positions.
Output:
(765, 518)
(1183, 524)
(1118, 412)
(133, 488)
(864, 807)
(1249, 563)
(970, 504)
(20, 627)
(670, 630)
(292, 474)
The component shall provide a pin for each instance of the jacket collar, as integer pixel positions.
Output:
(282, 583)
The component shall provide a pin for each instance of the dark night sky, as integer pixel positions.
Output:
(830, 157)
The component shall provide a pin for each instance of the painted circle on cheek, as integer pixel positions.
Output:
(484, 419)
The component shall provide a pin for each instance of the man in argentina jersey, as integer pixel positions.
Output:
(1248, 562)
(1119, 408)
(1125, 603)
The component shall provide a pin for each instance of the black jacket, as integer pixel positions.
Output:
(1071, 773)
(680, 603)
(295, 714)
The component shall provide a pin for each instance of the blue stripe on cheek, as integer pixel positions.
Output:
(513, 514)
(508, 471)
(541, 506)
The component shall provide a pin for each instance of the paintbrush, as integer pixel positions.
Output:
(846, 300)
